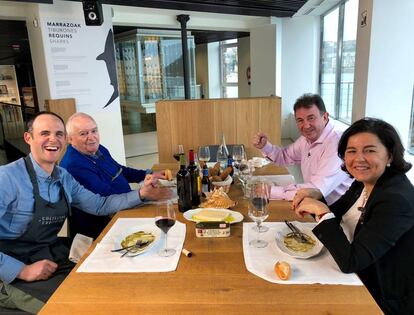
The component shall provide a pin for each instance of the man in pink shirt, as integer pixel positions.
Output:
(315, 150)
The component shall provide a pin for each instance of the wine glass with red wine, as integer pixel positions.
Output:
(164, 220)
(180, 151)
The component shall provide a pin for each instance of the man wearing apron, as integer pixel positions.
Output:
(33, 260)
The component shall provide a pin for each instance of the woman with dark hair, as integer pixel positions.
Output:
(370, 229)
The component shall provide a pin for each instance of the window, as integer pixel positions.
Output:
(337, 64)
(229, 68)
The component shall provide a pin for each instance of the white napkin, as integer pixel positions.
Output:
(278, 180)
(103, 260)
(80, 245)
(259, 162)
(318, 269)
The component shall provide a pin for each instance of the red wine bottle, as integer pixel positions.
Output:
(183, 187)
(195, 179)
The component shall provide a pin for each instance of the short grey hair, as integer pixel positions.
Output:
(71, 119)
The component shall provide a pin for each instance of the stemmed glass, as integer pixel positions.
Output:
(165, 219)
(258, 210)
(238, 156)
(180, 151)
(204, 153)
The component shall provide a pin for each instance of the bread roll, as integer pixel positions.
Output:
(282, 270)
(168, 174)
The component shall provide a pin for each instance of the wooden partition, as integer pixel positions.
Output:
(201, 122)
(64, 107)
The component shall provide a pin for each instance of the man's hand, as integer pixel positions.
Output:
(40, 270)
(151, 191)
(303, 193)
(259, 140)
(159, 175)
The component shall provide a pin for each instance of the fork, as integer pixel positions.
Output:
(137, 244)
(298, 233)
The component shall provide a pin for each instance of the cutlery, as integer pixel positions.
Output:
(138, 243)
(298, 234)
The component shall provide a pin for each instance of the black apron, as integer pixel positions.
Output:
(40, 241)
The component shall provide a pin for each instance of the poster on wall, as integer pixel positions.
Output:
(81, 63)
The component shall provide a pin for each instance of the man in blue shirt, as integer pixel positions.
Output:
(91, 164)
(35, 200)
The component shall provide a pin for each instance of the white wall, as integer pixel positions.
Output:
(300, 65)
(263, 60)
(391, 64)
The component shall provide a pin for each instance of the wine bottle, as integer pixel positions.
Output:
(205, 182)
(195, 179)
(183, 186)
(230, 164)
(222, 152)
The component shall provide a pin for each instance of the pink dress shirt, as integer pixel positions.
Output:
(319, 162)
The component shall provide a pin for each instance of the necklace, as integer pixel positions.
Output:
(362, 207)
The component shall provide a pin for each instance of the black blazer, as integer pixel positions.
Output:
(382, 252)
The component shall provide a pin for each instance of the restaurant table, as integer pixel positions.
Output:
(213, 281)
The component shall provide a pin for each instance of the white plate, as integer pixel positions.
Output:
(280, 235)
(147, 228)
(238, 217)
(168, 183)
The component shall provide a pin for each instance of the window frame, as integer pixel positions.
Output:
(223, 84)
(339, 56)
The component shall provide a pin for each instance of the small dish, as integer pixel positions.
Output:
(236, 216)
(280, 236)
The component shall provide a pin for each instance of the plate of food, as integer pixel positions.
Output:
(138, 240)
(290, 244)
(213, 214)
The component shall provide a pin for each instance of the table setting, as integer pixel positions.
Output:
(108, 255)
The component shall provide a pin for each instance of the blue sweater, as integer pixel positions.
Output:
(96, 173)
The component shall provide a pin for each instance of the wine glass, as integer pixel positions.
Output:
(238, 156)
(259, 196)
(180, 151)
(165, 219)
(204, 153)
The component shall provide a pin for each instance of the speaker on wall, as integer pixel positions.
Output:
(93, 12)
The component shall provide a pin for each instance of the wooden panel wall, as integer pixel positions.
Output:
(201, 122)
(64, 107)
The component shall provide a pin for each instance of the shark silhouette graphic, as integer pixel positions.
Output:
(109, 57)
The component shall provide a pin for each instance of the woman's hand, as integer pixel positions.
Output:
(303, 193)
(311, 206)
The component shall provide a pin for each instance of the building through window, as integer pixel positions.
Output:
(229, 68)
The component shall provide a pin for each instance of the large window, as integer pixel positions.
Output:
(339, 27)
(229, 68)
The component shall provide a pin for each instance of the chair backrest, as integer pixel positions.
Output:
(214, 148)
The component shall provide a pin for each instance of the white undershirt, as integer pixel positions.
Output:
(350, 218)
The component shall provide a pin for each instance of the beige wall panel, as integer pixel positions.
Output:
(196, 122)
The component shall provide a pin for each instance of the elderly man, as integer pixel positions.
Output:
(36, 196)
(91, 164)
(315, 151)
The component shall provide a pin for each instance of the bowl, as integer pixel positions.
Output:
(225, 184)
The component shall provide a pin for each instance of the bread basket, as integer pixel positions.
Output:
(225, 184)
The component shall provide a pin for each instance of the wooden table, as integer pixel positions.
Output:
(213, 281)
